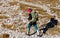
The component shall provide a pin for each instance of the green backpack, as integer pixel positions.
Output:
(35, 16)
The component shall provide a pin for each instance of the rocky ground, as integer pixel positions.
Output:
(13, 21)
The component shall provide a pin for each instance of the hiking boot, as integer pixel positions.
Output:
(28, 33)
(37, 32)
(40, 33)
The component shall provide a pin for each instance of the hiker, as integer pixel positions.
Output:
(33, 18)
(51, 24)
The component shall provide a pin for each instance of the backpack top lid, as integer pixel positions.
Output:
(29, 10)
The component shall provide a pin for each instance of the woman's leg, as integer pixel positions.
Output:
(36, 28)
(29, 26)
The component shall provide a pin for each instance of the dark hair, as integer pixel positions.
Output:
(30, 17)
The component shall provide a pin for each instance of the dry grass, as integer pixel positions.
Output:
(51, 2)
(5, 35)
(57, 11)
(52, 31)
(3, 16)
(9, 26)
(13, 3)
